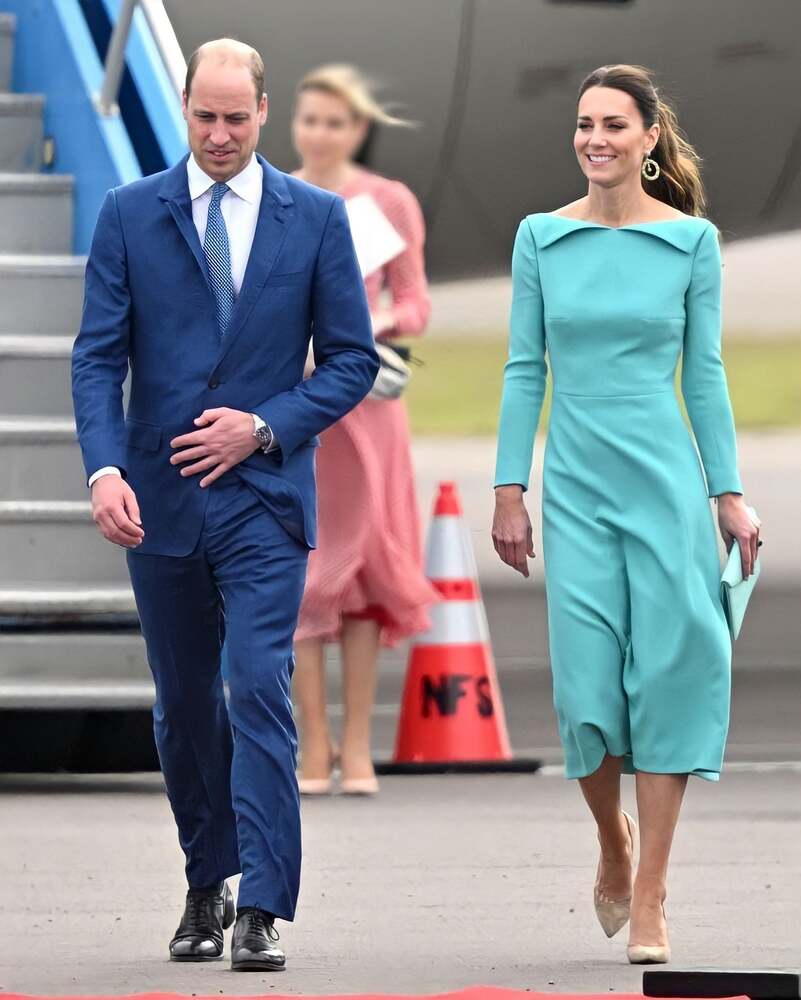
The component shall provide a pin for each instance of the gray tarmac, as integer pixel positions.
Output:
(442, 881)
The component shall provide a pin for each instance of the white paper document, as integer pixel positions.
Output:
(374, 237)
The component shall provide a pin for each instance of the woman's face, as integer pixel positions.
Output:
(611, 139)
(325, 131)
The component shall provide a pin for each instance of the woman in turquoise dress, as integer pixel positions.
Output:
(615, 288)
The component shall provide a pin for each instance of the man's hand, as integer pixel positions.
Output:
(225, 440)
(116, 512)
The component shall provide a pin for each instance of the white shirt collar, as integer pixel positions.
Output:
(247, 184)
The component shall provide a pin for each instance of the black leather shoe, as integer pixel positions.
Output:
(254, 948)
(199, 937)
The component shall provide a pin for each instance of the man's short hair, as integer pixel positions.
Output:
(225, 48)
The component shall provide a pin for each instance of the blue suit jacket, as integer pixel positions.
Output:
(149, 304)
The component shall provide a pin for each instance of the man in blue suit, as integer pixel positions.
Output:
(209, 280)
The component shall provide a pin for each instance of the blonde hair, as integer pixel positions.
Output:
(680, 183)
(354, 88)
(224, 49)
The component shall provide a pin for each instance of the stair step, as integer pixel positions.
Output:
(8, 28)
(76, 695)
(36, 210)
(45, 511)
(21, 130)
(98, 669)
(40, 458)
(80, 656)
(14, 346)
(41, 293)
(35, 376)
(70, 602)
(30, 430)
(53, 541)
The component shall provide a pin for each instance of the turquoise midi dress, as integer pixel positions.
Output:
(640, 651)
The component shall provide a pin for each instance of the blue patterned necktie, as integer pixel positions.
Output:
(215, 245)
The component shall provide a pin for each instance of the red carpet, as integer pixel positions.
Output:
(474, 993)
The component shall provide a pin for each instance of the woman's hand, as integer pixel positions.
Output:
(734, 521)
(511, 528)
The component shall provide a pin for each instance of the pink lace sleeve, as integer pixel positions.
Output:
(405, 276)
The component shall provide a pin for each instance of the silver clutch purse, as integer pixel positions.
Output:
(394, 373)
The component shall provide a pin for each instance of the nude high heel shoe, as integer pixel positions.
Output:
(613, 914)
(311, 787)
(359, 786)
(649, 954)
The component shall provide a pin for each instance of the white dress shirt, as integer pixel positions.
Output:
(239, 206)
(240, 210)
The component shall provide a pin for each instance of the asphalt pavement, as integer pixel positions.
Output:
(442, 881)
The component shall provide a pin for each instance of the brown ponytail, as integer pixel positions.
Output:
(679, 183)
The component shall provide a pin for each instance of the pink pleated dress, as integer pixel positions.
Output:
(369, 559)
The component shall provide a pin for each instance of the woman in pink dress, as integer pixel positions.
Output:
(365, 586)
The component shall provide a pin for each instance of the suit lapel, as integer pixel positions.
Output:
(175, 192)
(276, 214)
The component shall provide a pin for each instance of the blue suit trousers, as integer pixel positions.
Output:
(229, 769)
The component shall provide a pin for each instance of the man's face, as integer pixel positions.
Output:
(223, 117)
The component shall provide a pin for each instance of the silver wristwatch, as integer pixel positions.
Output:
(263, 434)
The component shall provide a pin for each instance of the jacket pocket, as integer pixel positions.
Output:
(289, 278)
(146, 437)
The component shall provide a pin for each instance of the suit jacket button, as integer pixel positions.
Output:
(214, 384)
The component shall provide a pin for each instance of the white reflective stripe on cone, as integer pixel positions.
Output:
(449, 555)
(455, 622)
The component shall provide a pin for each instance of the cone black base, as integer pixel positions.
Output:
(519, 765)
(762, 984)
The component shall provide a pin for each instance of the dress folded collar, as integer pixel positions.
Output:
(682, 233)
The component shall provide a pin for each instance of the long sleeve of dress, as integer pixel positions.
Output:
(526, 371)
(703, 380)
(405, 275)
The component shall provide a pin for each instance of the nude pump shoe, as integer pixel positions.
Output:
(647, 954)
(359, 786)
(311, 787)
(613, 914)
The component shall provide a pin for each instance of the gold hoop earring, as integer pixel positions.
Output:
(650, 169)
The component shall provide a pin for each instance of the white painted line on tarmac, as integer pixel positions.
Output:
(388, 710)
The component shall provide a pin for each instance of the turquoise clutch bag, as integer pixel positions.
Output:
(735, 592)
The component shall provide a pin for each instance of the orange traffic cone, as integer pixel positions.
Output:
(452, 714)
